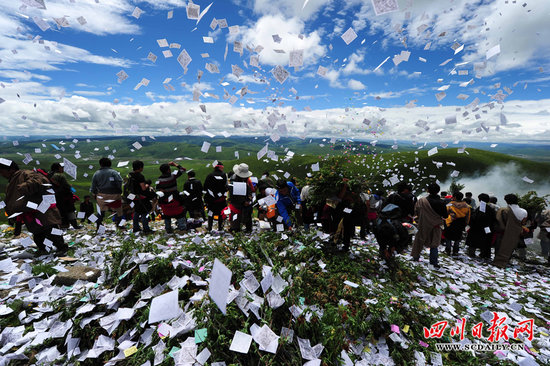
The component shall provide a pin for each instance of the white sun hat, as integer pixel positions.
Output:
(241, 170)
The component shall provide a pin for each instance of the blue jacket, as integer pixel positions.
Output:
(285, 204)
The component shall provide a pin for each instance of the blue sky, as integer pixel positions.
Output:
(74, 85)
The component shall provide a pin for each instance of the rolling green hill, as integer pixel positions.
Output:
(420, 169)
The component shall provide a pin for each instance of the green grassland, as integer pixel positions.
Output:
(419, 168)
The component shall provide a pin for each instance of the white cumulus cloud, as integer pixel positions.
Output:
(289, 30)
(356, 85)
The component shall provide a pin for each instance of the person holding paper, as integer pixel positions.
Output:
(215, 188)
(64, 196)
(497, 234)
(87, 207)
(288, 201)
(510, 220)
(376, 201)
(308, 211)
(267, 179)
(107, 191)
(351, 209)
(27, 195)
(170, 201)
(430, 212)
(267, 205)
(482, 225)
(544, 235)
(527, 234)
(455, 224)
(240, 198)
(193, 199)
(141, 197)
(404, 199)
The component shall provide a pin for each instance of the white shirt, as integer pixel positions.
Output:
(519, 212)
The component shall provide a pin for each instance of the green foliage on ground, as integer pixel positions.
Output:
(43, 269)
(533, 203)
(339, 316)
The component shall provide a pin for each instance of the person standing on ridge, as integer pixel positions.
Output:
(482, 226)
(142, 201)
(455, 224)
(431, 212)
(170, 201)
(288, 201)
(510, 220)
(107, 191)
(193, 196)
(215, 188)
(241, 199)
(27, 199)
(64, 196)
(86, 207)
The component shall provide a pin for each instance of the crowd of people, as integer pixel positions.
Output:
(45, 203)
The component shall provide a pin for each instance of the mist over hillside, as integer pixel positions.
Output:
(499, 181)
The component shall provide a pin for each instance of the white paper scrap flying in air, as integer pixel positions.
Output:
(39, 4)
(296, 58)
(122, 75)
(280, 74)
(383, 62)
(205, 146)
(137, 12)
(385, 6)
(5, 162)
(184, 59)
(42, 24)
(69, 168)
(450, 120)
(162, 42)
(193, 11)
(492, 52)
(349, 36)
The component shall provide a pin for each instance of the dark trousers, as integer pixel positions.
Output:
(17, 228)
(485, 251)
(142, 218)
(452, 244)
(364, 224)
(216, 209)
(40, 236)
(196, 213)
(211, 222)
(211, 219)
(349, 229)
(244, 217)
